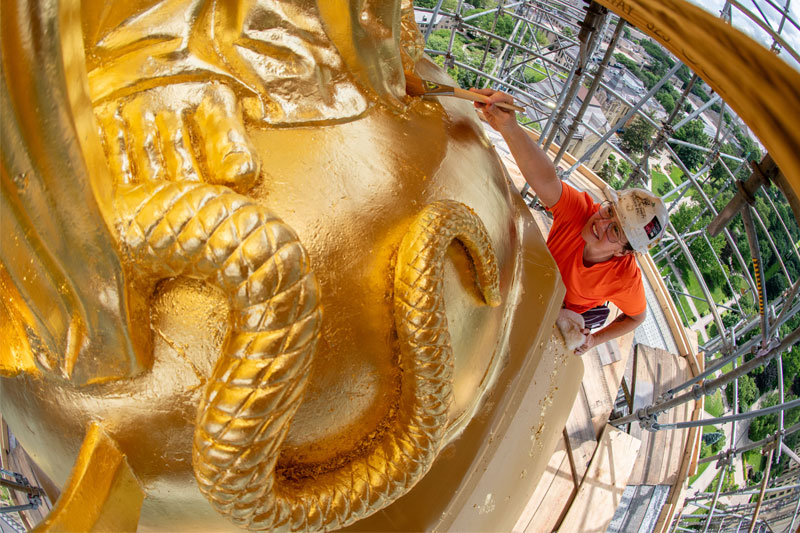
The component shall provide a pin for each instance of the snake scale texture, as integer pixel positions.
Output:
(212, 233)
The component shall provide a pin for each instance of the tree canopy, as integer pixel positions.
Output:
(691, 132)
(748, 392)
(637, 135)
(762, 426)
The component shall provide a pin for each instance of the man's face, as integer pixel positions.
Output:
(603, 232)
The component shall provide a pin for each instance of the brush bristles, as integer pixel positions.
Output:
(414, 85)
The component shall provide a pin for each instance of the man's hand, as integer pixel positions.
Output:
(497, 117)
(588, 344)
(620, 326)
(536, 167)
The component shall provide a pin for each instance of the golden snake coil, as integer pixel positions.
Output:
(258, 383)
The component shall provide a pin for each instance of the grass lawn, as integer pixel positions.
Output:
(753, 458)
(682, 303)
(683, 310)
(700, 469)
(675, 175)
(537, 74)
(661, 183)
(713, 405)
(694, 289)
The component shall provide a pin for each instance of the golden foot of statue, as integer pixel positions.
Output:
(180, 132)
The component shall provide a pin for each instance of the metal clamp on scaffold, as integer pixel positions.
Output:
(713, 154)
(665, 397)
(725, 458)
(459, 25)
(699, 390)
(647, 421)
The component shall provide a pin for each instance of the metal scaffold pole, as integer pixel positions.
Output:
(764, 482)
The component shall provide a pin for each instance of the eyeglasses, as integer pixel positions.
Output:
(613, 230)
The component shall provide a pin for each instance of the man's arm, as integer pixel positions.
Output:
(620, 326)
(536, 167)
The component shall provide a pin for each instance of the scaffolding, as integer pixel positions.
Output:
(560, 59)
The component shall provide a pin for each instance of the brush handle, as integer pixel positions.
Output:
(476, 97)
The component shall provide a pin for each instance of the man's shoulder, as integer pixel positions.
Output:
(629, 266)
(572, 201)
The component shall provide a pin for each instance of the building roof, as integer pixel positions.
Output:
(549, 92)
(423, 17)
(622, 80)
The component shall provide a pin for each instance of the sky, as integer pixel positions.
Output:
(790, 33)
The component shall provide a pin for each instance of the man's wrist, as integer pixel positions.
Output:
(510, 128)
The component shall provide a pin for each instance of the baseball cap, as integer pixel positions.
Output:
(642, 214)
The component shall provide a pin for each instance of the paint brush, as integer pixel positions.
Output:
(416, 86)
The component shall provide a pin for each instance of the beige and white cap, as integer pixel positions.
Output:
(642, 214)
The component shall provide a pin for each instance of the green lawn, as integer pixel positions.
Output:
(688, 318)
(676, 176)
(713, 405)
(536, 74)
(706, 429)
(694, 289)
(661, 183)
(753, 458)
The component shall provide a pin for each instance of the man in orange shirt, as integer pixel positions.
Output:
(592, 243)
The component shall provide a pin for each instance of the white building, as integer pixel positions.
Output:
(443, 20)
(593, 126)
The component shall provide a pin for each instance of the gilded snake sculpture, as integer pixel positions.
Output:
(212, 233)
(186, 228)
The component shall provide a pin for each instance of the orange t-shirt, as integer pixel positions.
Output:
(618, 280)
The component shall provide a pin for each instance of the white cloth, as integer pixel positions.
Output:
(570, 324)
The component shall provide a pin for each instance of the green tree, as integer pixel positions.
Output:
(439, 40)
(667, 96)
(683, 216)
(718, 174)
(609, 170)
(699, 92)
(684, 74)
(762, 426)
(791, 367)
(637, 135)
(713, 438)
(692, 132)
(648, 78)
(748, 392)
(628, 63)
(750, 150)
(666, 100)
(624, 169)
(659, 55)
